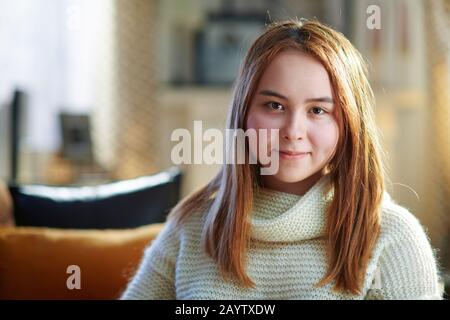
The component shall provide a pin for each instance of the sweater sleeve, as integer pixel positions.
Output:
(407, 266)
(155, 277)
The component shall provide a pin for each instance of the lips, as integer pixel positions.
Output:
(292, 155)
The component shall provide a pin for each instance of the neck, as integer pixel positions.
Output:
(298, 188)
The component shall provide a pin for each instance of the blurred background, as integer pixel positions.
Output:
(90, 91)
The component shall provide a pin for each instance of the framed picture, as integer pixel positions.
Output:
(76, 137)
(221, 45)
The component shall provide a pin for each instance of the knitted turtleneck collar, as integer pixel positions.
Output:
(284, 217)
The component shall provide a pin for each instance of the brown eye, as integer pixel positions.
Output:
(274, 106)
(318, 110)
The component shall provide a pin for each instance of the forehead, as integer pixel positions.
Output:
(296, 74)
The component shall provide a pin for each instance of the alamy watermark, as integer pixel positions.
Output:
(74, 280)
(263, 147)
(73, 17)
(374, 19)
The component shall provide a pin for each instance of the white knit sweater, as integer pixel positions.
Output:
(286, 256)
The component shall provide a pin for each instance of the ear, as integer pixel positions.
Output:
(6, 206)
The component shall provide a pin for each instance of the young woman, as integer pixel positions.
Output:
(322, 226)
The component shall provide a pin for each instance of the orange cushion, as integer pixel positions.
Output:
(6, 206)
(34, 261)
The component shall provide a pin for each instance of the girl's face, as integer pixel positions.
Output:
(295, 96)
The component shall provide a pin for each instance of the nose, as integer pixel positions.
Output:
(294, 128)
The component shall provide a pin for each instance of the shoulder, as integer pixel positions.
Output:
(402, 233)
(399, 224)
(404, 253)
(173, 232)
(166, 245)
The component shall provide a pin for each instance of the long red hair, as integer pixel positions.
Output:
(356, 171)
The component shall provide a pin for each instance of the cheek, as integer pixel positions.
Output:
(259, 120)
(325, 137)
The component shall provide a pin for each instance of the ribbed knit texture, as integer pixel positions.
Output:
(287, 256)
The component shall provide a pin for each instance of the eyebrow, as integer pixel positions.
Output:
(271, 93)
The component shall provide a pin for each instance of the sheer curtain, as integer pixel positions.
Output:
(438, 148)
(82, 56)
(46, 50)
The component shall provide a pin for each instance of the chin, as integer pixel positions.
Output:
(291, 177)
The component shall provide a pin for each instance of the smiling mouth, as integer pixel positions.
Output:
(293, 155)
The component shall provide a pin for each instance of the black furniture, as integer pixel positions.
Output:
(123, 204)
